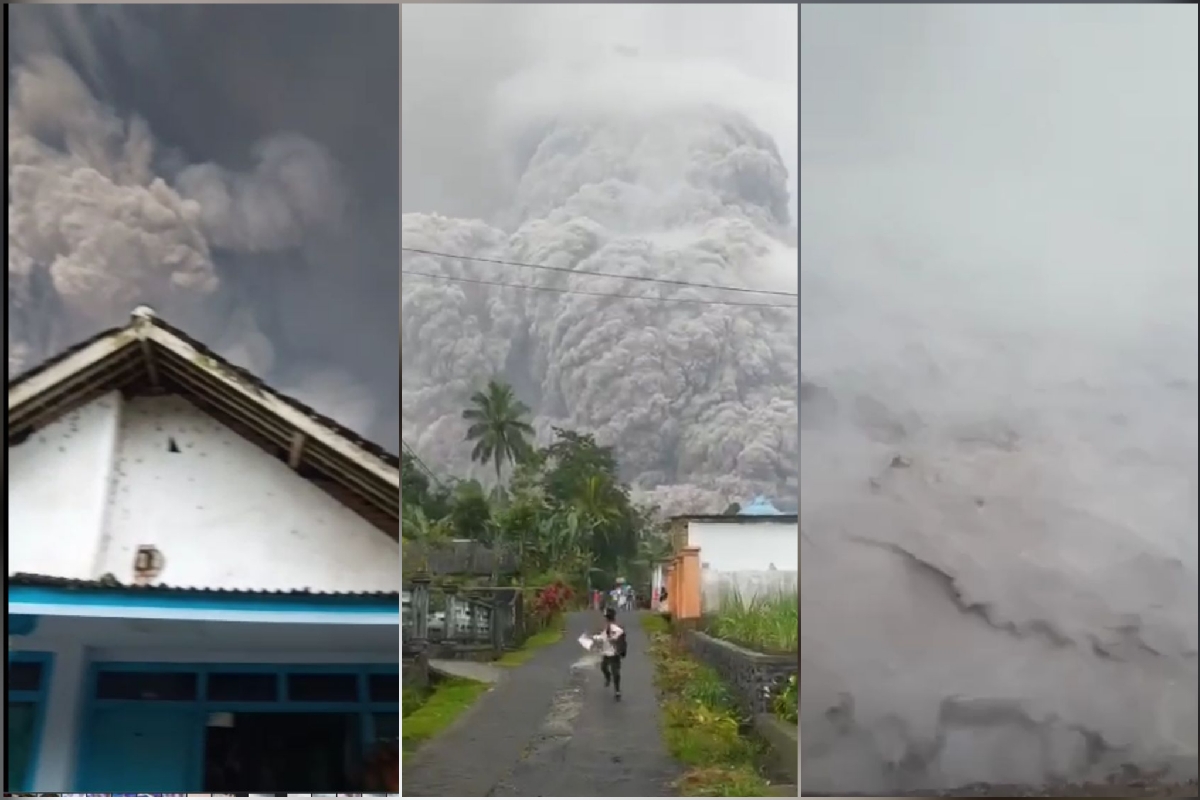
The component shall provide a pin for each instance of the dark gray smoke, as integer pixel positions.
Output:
(233, 167)
(999, 402)
(639, 165)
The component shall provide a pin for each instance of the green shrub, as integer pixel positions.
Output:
(787, 703)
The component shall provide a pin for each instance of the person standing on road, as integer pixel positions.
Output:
(612, 650)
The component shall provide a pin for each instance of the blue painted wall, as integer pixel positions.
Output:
(38, 698)
(177, 728)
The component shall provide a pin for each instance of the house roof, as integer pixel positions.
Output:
(31, 580)
(760, 509)
(743, 519)
(148, 356)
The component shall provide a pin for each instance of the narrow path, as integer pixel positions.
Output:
(549, 728)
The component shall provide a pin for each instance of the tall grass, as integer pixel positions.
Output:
(768, 622)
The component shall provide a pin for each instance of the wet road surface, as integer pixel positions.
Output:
(550, 728)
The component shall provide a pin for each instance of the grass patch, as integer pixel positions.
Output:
(721, 782)
(656, 623)
(448, 699)
(412, 698)
(768, 622)
(701, 726)
(534, 643)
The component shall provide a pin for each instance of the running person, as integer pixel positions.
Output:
(612, 647)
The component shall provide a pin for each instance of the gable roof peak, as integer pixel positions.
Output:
(148, 355)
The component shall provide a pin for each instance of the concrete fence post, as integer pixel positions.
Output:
(420, 609)
(689, 578)
(497, 621)
(451, 632)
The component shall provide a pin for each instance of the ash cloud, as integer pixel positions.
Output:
(240, 197)
(604, 144)
(999, 404)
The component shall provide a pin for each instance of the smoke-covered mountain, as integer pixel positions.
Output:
(700, 400)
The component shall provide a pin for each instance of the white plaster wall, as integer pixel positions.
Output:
(58, 482)
(227, 515)
(750, 558)
(747, 546)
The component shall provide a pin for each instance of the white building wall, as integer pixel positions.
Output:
(749, 557)
(58, 481)
(86, 492)
(225, 514)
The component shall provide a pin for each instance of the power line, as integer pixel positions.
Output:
(421, 464)
(595, 294)
(597, 274)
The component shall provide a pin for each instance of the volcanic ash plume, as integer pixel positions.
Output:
(95, 231)
(699, 400)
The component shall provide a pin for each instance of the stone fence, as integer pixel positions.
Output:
(448, 621)
(754, 678)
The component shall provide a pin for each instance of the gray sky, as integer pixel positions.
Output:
(456, 58)
(998, 251)
(280, 122)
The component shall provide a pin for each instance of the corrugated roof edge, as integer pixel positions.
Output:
(390, 458)
(28, 579)
(377, 450)
(38, 369)
(743, 518)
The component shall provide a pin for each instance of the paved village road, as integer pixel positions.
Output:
(549, 728)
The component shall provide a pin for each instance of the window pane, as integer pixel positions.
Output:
(323, 688)
(117, 685)
(24, 676)
(384, 688)
(242, 687)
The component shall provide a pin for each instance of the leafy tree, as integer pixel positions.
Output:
(521, 524)
(571, 459)
(470, 514)
(420, 528)
(564, 509)
(498, 426)
(732, 508)
(417, 491)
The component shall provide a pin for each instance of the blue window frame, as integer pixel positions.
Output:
(28, 682)
(193, 691)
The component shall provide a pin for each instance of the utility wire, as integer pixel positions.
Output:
(421, 464)
(597, 274)
(596, 294)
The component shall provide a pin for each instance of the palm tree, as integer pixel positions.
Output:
(498, 427)
(596, 504)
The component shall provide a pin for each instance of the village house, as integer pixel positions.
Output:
(203, 578)
(754, 550)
